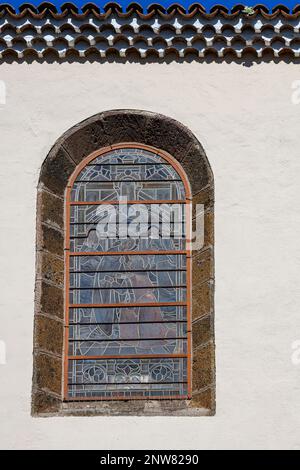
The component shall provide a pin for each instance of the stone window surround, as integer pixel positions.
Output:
(103, 130)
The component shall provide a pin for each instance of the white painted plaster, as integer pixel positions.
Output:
(249, 127)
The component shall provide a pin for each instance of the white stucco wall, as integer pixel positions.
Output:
(249, 127)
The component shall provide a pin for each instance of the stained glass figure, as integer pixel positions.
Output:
(127, 332)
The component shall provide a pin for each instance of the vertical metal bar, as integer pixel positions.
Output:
(189, 295)
(67, 282)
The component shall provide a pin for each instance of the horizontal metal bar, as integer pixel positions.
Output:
(152, 224)
(131, 304)
(129, 202)
(127, 356)
(119, 253)
(125, 323)
(130, 271)
(120, 340)
(127, 383)
(130, 164)
(128, 287)
(130, 181)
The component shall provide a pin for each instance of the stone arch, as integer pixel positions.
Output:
(103, 130)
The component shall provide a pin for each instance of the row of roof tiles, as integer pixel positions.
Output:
(259, 52)
(165, 30)
(89, 34)
(198, 42)
(47, 8)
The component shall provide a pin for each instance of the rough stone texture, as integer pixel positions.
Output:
(202, 296)
(205, 197)
(205, 233)
(48, 372)
(169, 135)
(50, 239)
(203, 367)
(50, 209)
(135, 408)
(49, 334)
(209, 228)
(49, 299)
(113, 127)
(202, 331)
(44, 403)
(125, 127)
(197, 168)
(203, 267)
(102, 130)
(50, 268)
(56, 170)
(85, 138)
(205, 399)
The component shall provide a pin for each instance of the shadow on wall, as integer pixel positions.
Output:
(50, 57)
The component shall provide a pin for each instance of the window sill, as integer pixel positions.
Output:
(130, 408)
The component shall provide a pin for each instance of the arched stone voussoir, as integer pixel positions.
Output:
(56, 170)
(130, 125)
(102, 130)
(170, 135)
(197, 168)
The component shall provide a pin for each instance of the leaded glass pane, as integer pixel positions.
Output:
(128, 330)
(127, 371)
(110, 377)
(132, 173)
(131, 347)
(131, 214)
(94, 232)
(123, 295)
(128, 262)
(133, 191)
(129, 279)
(129, 391)
(152, 172)
(92, 243)
(128, 156)
(165, 313)
(120, 347)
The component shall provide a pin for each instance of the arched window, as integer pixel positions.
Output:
(128, 288)
(124, 303)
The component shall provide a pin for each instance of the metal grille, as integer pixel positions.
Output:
(127, 277)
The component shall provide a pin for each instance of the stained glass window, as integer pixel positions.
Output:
(128, 278)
